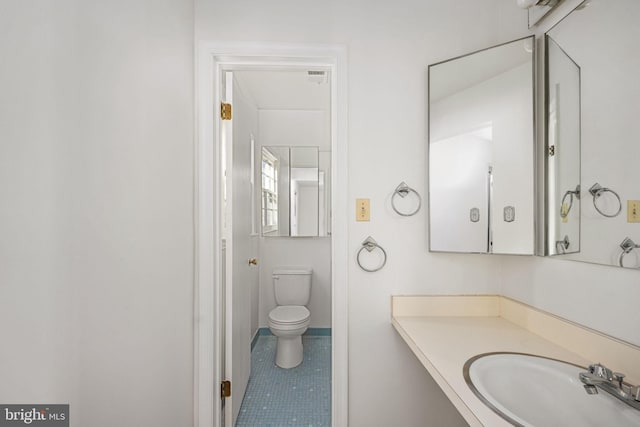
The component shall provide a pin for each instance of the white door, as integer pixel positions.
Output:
(242, 248)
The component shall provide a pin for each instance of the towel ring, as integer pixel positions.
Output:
(369, 244)
(570, 193)
(627, 246)
(596, 191)
(403, 190)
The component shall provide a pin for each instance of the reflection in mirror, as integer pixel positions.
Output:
(295, 191)
(602, 41)
(304, 191)
(275, 191)
(481, 150)
(563, 152)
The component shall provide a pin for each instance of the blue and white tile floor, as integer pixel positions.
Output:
(300, 396)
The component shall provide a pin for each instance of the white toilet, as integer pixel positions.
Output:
(290, 319)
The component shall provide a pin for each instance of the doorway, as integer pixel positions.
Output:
(212, 323)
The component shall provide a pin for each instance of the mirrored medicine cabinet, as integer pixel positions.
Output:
(481, 151)
(295, 192)
(592, 144)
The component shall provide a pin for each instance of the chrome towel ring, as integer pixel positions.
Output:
(627, 246)
(369, 244)
(403, 190)
(564, 212)
(596, 191)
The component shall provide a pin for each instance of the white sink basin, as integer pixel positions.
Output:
(528, 390)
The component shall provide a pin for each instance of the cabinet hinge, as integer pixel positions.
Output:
(225, 111)
(552, 150)
(225, 389)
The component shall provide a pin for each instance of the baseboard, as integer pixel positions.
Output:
(314, 332)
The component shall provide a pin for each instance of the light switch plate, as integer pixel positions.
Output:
(633, 210)
(362, 210)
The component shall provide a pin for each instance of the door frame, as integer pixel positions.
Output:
(212, 58)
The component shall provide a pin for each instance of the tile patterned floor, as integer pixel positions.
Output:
(299, 397)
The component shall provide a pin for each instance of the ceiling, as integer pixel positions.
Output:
(286, 90)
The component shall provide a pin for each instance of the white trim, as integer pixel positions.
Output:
(211, 59)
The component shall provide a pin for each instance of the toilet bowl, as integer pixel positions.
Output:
(288, 323)
(290, 318)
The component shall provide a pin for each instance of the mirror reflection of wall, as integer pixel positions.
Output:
(481, 194)
(601, 37)
(304, 189)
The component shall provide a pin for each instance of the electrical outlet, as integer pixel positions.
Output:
(633, 210)
(362, 210)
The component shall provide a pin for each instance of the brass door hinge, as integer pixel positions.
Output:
(225, 389)
(225, 111)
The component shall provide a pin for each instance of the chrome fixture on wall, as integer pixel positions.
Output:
(370, 244)
(627, 246)
(403, 191)
(563, 245)
(596, 191)
(566, 208)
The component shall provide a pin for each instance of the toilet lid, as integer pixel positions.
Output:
(289, 314)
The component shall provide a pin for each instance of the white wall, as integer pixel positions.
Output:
(296, 128)
(389, 46)
(96, 184)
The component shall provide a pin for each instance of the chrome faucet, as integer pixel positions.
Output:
(600, 377)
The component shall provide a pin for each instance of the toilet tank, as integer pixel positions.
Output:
(292, 286)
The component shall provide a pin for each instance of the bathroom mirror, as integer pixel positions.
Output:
(593, 99)
(481, 151)
(294, 192)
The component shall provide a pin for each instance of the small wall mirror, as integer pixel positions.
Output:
(481, 151)
(592, 111)
(294, 192)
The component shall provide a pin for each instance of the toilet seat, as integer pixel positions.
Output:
(289, 315)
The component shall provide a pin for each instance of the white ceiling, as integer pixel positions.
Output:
(285, 90)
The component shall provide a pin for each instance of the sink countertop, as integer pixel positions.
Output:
(445, 341)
